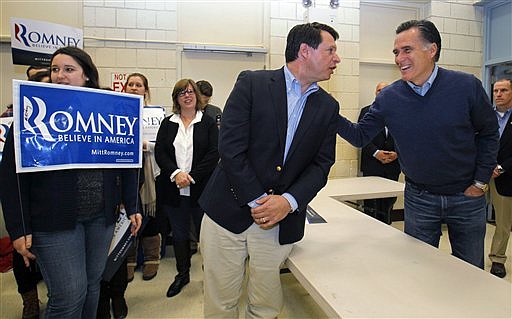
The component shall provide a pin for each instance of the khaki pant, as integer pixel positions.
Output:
(227, 257)
(503, 217)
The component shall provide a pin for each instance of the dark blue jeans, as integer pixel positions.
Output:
(465, 217)
(72, 263)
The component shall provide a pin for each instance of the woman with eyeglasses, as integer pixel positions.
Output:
(186, 152)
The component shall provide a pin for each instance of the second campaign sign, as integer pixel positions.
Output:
(65, 127)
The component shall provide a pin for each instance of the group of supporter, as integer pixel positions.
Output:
(86, 202)
(241, 188)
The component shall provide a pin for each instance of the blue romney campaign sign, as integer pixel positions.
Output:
(63, 127)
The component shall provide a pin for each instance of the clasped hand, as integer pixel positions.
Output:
(272, 209)
(386, 157)
(183, 179)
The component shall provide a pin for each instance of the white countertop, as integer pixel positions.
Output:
(367, 187)
(357, 267)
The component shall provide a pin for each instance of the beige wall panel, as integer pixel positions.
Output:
(220, 69)
(223, 22)
(378, 25)
(61, 12)
(371, 74)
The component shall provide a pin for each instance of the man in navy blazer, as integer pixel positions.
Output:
(501, 183)
(277, 144)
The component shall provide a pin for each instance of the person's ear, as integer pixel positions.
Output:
(304, 50)
(433, 49)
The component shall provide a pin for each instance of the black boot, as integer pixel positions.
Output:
(30, 304)
(119, 307)
(103, 311)
(118, 285)
(182, 253)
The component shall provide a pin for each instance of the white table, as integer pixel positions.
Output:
(356, 188)
(357, 267)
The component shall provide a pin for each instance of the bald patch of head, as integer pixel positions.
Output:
(380, 86)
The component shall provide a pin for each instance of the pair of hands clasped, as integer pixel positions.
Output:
(24, 243)
(183, 179)
(272, 209)
(386, 157)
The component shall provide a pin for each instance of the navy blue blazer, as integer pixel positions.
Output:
(370, 166)
(204, 158)
(504, 181)
(251, 146)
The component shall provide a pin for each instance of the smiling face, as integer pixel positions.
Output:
(65, 70)
(413, 56)
(187, 99)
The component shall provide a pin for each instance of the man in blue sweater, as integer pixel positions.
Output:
(446, 134)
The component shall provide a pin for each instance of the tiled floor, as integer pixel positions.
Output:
(146, 299)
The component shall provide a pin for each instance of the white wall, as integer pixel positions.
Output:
(148, 36)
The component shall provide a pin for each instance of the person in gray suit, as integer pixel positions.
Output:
(277, 143)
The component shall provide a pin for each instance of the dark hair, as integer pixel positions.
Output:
(179, 87)
(428, 33)
(85, 61)
(35, 67)
(504, 79)
(144, 81)
(205, 88)
(39, 76)
(308, 33)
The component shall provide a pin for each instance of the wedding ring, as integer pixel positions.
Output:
(264, 220)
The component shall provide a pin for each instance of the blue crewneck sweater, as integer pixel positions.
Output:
(445, 140)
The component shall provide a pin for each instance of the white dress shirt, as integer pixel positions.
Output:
(184, 147)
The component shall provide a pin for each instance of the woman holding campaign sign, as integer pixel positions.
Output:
(186, 151)
(64, 218)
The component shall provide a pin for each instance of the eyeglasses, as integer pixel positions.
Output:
(184, 92)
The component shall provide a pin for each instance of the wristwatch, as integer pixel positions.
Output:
(482, 186)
